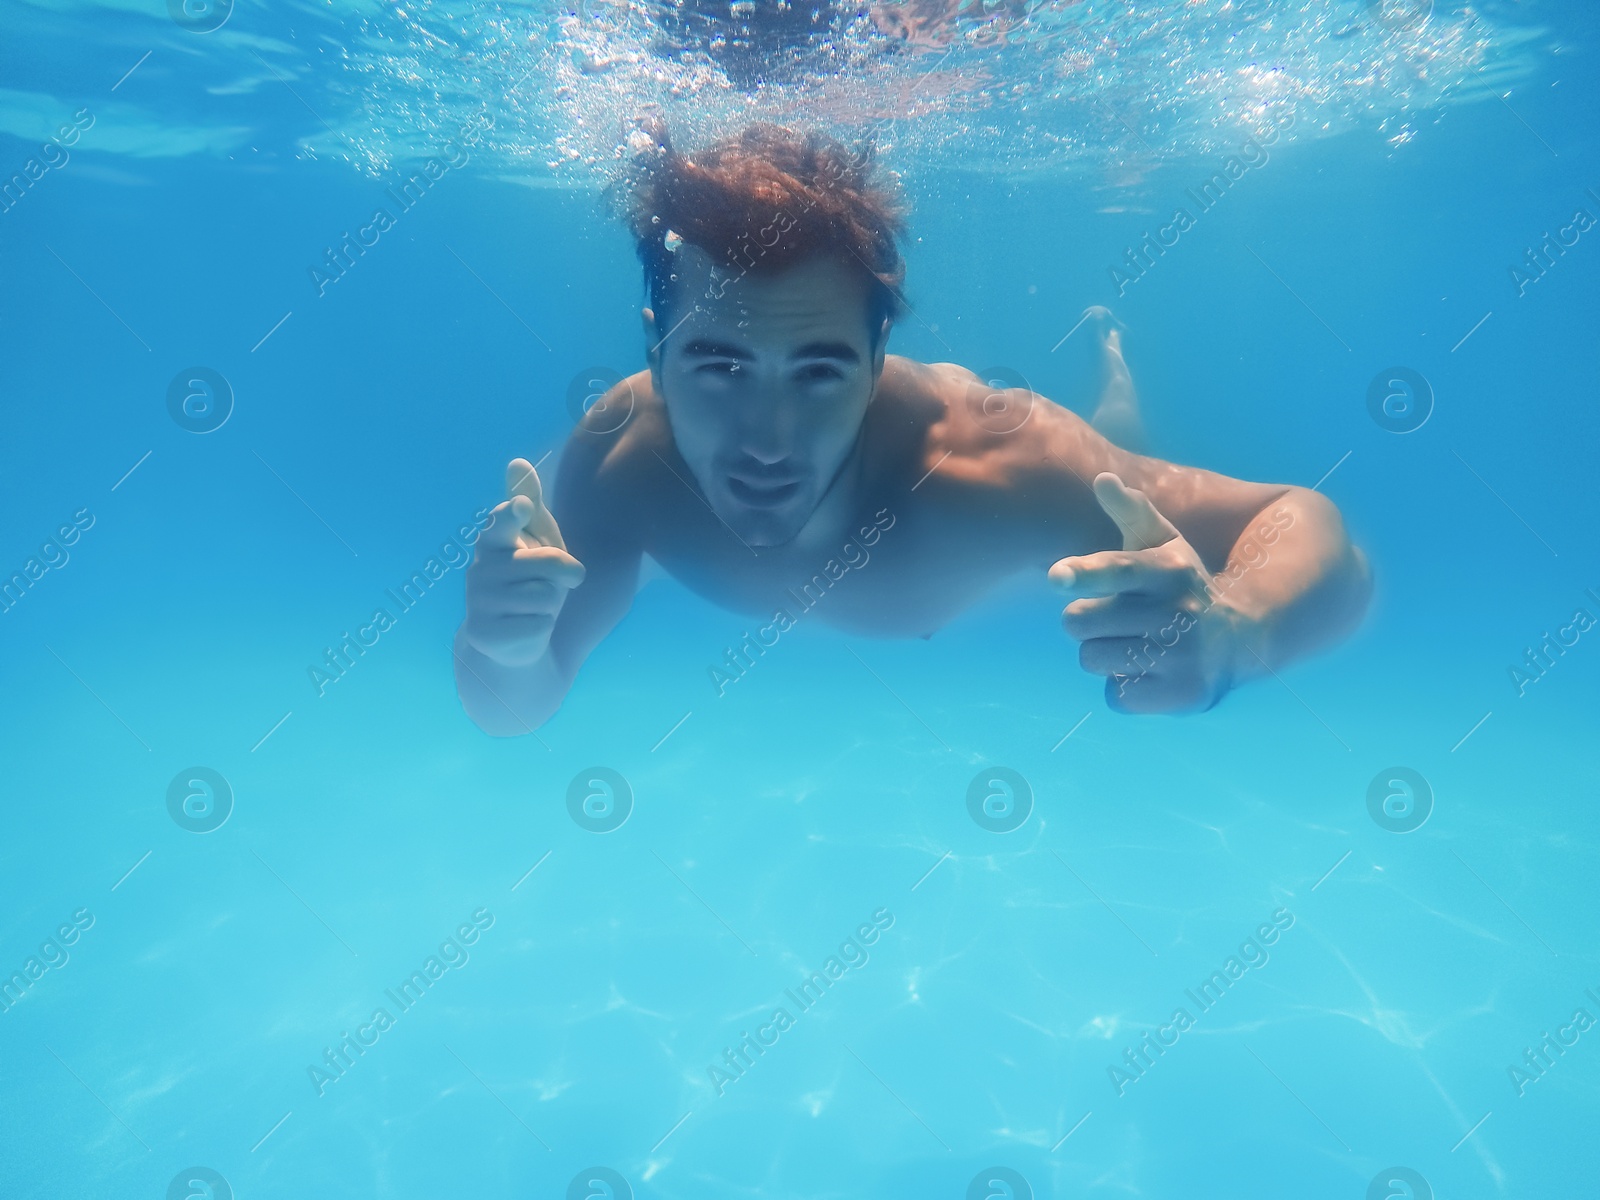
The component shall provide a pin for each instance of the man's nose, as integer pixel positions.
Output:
(767, 432)
(766, 452)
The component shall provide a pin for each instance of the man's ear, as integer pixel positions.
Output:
(880, 348)
(647, 318)
(652, 346)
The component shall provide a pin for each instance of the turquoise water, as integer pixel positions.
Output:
(577, 988)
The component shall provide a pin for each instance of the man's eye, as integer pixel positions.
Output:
(719, 368)
(821, 373)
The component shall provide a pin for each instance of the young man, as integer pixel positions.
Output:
(771, 428)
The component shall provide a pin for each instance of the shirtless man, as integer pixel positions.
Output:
(771, 428)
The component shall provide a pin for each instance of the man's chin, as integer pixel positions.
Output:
(766, 528)
(764, 532)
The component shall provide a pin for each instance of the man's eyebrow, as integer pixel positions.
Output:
(706, 348)
(840, 350)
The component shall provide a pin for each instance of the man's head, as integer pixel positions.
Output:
(773, 276)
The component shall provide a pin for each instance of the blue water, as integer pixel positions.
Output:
(184, 1021)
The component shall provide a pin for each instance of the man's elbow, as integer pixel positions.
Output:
(1348, 571)
(1361, 584)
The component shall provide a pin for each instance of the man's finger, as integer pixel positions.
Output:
(510, 518)
(1111, 572)
(1142, 525)
(1122, 615)
(1150, 692)
(546, 565)
(1118, 656)
(523, 480)
(532, 598)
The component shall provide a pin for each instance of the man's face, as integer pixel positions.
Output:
(766, 378)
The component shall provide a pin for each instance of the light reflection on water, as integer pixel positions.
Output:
(1011, 88)
(997, 86)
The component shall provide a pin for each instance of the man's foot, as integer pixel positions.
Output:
(1116, 417)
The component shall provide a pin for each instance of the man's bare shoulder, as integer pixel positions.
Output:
(1005, 471)
(982, 432)
(616, 436)
(613, 457)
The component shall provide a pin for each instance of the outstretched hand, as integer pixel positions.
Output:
(520, 576)
(1144, 614)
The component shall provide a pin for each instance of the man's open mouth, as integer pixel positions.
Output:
(762, 495)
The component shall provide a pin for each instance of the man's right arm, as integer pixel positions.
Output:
(535, 611)
(502, 700)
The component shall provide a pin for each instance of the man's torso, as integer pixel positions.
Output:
(936, 505)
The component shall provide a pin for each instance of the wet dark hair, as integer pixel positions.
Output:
(764, 199)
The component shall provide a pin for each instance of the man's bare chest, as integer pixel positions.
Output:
(893, 575)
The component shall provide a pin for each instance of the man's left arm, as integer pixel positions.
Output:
(1218, 580)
